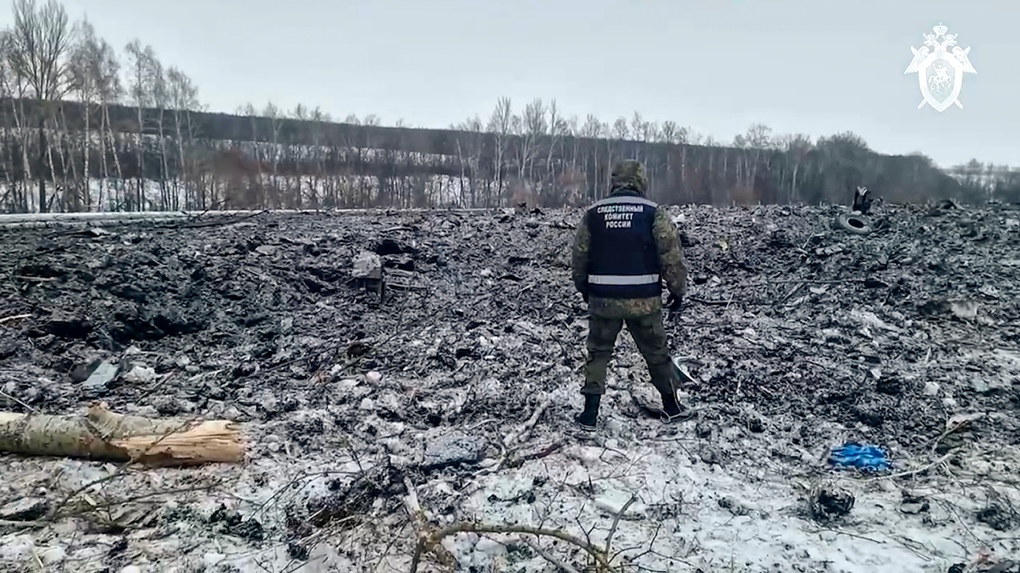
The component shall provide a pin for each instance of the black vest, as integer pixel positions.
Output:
(623, 260)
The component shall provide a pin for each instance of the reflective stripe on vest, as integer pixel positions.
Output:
(622, 280)
(626, 199)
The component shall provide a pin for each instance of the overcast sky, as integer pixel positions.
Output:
(810, 66)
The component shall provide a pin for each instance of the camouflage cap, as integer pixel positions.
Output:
(629, 174)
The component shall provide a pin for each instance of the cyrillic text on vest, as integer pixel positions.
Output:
(618, 216)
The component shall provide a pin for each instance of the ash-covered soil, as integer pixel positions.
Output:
(464, 379)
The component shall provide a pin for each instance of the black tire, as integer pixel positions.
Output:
(853, 223)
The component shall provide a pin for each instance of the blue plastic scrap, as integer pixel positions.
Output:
(863, 457)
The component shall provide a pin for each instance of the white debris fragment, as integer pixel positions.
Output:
(613, 502)
(140, 374)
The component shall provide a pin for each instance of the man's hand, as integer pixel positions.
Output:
(674, 302)
(582, 288)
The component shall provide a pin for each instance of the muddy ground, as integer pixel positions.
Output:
(463, 381)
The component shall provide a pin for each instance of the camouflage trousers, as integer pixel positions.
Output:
(650, 337)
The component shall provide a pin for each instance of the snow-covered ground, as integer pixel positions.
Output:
(461, 389)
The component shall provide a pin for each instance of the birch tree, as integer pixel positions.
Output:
(40, 44)
(12, 87)
(557, 129)
(469, 154)
(156, 79)
(499, 125)
(531, 128)
(273, 114)
(95, 81)
(183, 99)
(147, 89)
(140, 97)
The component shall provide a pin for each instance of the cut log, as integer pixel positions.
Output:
(103, 435)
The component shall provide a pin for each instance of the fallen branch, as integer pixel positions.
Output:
(425, 543)
(815, 281)
(7, 396)
(430, 538)
(521, 432)
(431, 542)
(104, 435)
(15, 317)
(709, 302)
(616, 522)
(33, 524)
(404, 286)
(510, 457)
(546, 555)
(516, 459)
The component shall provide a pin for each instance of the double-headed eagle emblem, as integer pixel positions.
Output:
(940, 65)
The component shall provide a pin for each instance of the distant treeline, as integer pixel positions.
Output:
(86, 126)
(202, 160)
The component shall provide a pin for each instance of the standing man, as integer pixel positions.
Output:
(623, 247)
(862, 200)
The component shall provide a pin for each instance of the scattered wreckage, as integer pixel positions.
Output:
(443, 398)
(856, 221)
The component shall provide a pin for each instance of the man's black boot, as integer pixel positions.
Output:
(672, 409)
(586, 419)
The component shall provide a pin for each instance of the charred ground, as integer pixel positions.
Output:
(785, 314)
(796, 331)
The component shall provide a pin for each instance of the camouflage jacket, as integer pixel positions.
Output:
(671, 257)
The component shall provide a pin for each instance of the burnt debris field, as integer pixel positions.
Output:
(373, 424)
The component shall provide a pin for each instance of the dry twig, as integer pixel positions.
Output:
(7, 319)
(429, 538)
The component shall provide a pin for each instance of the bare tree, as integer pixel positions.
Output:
(95, 80)
(272, 113)
(183, 98)
(592, 130)
(500, 123)
(620, 129)
(40, 45)
(317, 118)
(557, 128)
(156, 78)
(528, 128)
(797, 148)
(41, 42)
(469, 155)
(85, 85)
(673, 133)
(12, 86)
(137, 76)
(164, 139)
(254, 196)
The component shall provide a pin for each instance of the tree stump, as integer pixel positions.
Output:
(368, 271)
